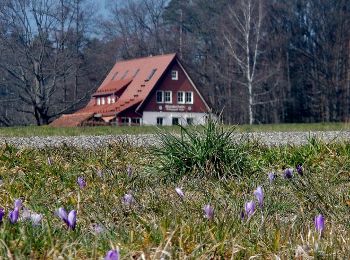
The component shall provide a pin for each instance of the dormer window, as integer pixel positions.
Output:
(102, 101)
(151, 74)
(115, 74)
(109, 100)
(126, 73)
(98, 101)
(174, 75)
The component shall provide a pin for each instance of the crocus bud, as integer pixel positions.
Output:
(112, 255)
(62, 214)
(128, 199)
(259, 194)
(300, 169)
(36, 218)
(13, 216)
(208, 211)
(249, 208)
(319, 223)
(272, 176)
(18, 204)
(180, 192)
(288, 173)
(99, 173)
(129, 171)
(72, 219)
(81, 182)
(2, 214)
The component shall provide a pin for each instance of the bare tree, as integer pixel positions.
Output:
(38, 57)
(244, 42)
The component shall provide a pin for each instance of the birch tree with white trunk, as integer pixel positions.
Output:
(243, 37)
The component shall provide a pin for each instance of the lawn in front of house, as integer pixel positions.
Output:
(159, 223)
(134, 130)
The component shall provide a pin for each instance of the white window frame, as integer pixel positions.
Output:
(162, 92)
(109, 100)
(161, 119)
(103, 101)
(174, 75)
(190, 121)
(113, 100)
(189, 92)
(170, 95)
(127, 119)
(98, 101)
(182, 95)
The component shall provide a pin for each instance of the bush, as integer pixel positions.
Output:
(207, 149)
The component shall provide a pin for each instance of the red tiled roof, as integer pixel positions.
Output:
(112, 86)
(139, 87)
(71, 120)
(135, 76)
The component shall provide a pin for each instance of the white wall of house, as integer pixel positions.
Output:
(150, 118)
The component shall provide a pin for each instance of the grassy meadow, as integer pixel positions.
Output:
(113, 130)
(158, 223)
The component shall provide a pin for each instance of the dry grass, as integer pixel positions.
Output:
(162, 225)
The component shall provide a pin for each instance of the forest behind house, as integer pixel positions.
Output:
(255, 61)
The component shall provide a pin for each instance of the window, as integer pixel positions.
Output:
(124, 75)
(135, 121)
(136, 72)
(109, 100)
(159, 120)
(189, 98)
(180, 97)
(167, 97)
(151, 74)
(115, 74)
(175, 120)
(189, 121)
(102, 101)
(160, 98)
(125, 120)
(113, 99)
(98, 101)
(174, 75)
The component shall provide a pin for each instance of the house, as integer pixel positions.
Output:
(154, 90)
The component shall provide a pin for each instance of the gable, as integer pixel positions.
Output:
(184, 85)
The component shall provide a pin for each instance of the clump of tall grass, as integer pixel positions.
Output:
(203, 150)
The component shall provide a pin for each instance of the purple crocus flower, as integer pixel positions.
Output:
(36, 218)
(70, 219)
(128, 199)
(259, 194)
(81, 182)
(2, 214)
(129, 171)
(319, 223)
(62, 214)
(112, 255)
(288, 173)
(249, 208)
(180, 193)
(208, 211)
(99, 173)
(272, 176)
(49, 162)
(18, 204)
(300, 169)
(13, 216)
